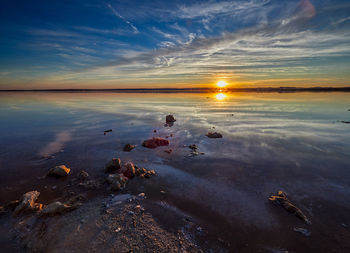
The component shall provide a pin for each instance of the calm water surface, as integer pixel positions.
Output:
(293, 142)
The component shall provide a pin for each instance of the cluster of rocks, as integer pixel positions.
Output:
(122, 173)
(27, 204)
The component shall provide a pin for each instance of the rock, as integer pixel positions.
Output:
(113, 165)
(107, 131)
(142, 195)
(162, 192)
(168, 151)
(60, 208)
(83, 174)
(142, 172)
(47, 156)
(281, 199)
(128, 147)
(155, 142)
(117, 181)
(193, 146)
(214, 135)
(154, 131)
(194, 150)
(27, 203)
(117, 230)
(346, 122)
(59, 171)
(302, 231)
(170, 119)
(130, 170)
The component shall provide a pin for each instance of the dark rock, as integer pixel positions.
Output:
(193, 146)
(59, 171)
(302, 231)
(281, 199)
(107, 131)
(128, 147)
(346, 122)
(113, 165)
(155, 142)
(214, 135)
(170, 119)
(168, 151)
(27, 203)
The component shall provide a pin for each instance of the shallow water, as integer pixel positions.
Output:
(293, 142)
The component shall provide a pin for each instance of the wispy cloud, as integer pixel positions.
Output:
(124, 19)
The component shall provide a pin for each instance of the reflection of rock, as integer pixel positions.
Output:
(128, 147)
(83, 174)
(155, 142)
(59, 171)
(27, 203)
(168, 151)
(214, 135)
(113, 165)
(302, 231)
(170, 119)
(281, 199)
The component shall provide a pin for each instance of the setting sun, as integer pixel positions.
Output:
(221, 84)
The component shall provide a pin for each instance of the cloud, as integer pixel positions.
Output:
(136, 31)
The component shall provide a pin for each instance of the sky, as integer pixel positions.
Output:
(60, 44)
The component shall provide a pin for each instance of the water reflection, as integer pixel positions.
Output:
(220, 96)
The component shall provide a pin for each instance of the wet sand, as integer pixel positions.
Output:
(217, 201)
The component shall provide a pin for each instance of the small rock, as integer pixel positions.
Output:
(346, 122)
(113, 165)
(302, 231)
(128, 147)
(27, 203)
(193, 146)
(214, 135)
(168, 151)
(162, 192)
(142, 195)
(83, 174)
(170, 119)
(131, 212)
(155, 142)
(118, 230)
(59, 171)
(107, 131)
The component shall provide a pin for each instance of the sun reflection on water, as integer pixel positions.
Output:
(220, 96)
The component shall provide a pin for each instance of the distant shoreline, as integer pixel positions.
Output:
(194, 90)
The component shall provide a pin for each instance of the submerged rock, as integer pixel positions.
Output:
(155, 142)
(128, 147)
(27, 203)
(59, 171)
(60, 208)
(113, 165)
(117, 181)
(170, 119)
(302, 231)
(83, 174)
(281, 199)
(214, 135)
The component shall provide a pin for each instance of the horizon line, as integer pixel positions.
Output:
(199, 90)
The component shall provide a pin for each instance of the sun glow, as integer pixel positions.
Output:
(221, 84)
